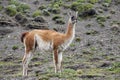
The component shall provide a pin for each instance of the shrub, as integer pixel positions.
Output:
(115, 67)
(11, 10)
(56, 17)
(80, 1)
(57, 4)
(87, 6)
(36, 13)
(81, 6)
(15, 47)
(23, 7)
(59, 21)
(14, 2)
(46, 13)
(66, 6)
(1, 7)
(42, 7)
(93, 1)
(108, 1)
(74, 6)
(56, 10)
(101, 18)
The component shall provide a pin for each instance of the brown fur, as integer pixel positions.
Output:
(46, 35)
(23, 35)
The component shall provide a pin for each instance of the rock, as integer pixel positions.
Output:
(36, 2)
(7, 21)
(79, 66)
(20, 18)
(90, 12)
(60, 21)
(40, 19)
(105, 64)
(36, 25)
(91, 76)
(4, 31)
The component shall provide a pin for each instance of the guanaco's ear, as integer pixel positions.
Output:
(76, 14)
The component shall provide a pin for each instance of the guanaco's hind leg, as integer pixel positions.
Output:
(26, 59)
(55, 59)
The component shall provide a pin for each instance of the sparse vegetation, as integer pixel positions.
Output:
(59, 21)
(93, 55)
(55, 17)
(36, 13)
(93, 1)
(14, 2)
(46, 13)
(115, 68)
(42, 7)
(23, 8)
(20, 7)
(11, 10)
(15, 47)
(101, 18)
(92, 32)
(76, 6)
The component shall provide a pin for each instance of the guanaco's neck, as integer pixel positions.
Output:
(70, 30)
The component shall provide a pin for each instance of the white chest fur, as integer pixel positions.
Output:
(68, 41)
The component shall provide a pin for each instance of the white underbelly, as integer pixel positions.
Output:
(43, 45)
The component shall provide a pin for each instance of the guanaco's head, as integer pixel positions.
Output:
(73, 18)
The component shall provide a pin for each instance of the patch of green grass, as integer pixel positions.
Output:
(77, 39)
(115, 22)
(55, 10)
(69, 74)
(115, 68)
(2, 63)
(66, 6)
(108, 1)
(1, 7)
(55, 17)
(76, 6)
(15, 47)
(93, 48)
(72, 44)
(14, 2)
(46, 13)
(112, 11)
(19, 74)
(11, 10)
(57, 4)
(93, 1)
(101, 18)
(36, 13)
(93, 72)
(80, 1)
(42, 7)
(23, 7)
(101, 24)
(92, 32)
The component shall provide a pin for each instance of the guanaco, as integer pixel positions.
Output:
(48, 40)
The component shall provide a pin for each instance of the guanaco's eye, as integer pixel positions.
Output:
(73, 18)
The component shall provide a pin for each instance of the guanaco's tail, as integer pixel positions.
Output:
(23, 36)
